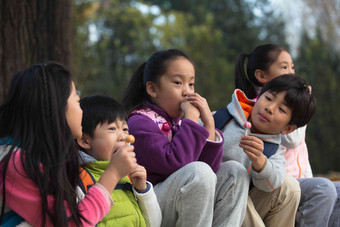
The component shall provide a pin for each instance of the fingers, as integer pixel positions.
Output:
(251, 145)
(197, 100)
(138, 178)
(124, 160)
(139, 172)
(202, 105)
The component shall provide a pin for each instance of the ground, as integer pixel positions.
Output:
(333, 176)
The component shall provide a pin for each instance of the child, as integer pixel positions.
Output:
(182, 158)
(318, 195)
(39, 167)
(283, 105)
(104, 131)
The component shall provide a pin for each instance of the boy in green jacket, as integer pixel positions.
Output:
(105, 132)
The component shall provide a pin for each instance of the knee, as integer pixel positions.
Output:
(291, 183)
(235, 169)
(291, 188)
(201, 173)
(325, 188)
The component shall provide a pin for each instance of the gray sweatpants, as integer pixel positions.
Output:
(334, 220)
(318, 196)
(194, 196)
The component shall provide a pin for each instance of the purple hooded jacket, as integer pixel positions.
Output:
(162, 157)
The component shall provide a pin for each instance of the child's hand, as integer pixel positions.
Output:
(138, 178)
(205, 113)
(122, 163)
(253, 147)
(190, 111)
(124, 160)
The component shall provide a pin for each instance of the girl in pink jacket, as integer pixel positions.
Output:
(39, 161)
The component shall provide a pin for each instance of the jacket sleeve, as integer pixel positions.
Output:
(272, 175)
(23, 197)
(149, 207)
(213, 151)
(163, 157)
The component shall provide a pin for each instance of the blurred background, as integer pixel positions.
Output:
(102, 42)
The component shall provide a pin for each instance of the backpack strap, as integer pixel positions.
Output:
(87, 181)
(269, 148)
(126, 186)
(221, 118)
(159, 120)
(11, 219)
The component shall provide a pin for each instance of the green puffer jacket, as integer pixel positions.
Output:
(125, 212)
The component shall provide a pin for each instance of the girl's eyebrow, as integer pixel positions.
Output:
(182, 76)
(286, 62)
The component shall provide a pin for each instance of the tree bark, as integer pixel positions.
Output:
(33, 31)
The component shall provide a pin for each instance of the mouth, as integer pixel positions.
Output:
(263, 118)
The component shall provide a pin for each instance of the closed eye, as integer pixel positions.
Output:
(268, 98)
(282, 110)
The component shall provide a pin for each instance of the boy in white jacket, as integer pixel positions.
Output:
(283, 105)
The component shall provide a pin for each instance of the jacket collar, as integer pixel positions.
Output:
(174, 121)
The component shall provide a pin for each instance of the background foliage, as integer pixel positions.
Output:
(113, 37)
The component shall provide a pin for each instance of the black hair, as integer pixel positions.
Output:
(135, 94)
(298, 97)
(33, 117)
(260, 58)
(100, 109)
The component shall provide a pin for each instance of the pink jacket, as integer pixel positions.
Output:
(22, 196)
(297, 161)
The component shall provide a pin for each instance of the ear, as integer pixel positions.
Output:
(288, 129)
(151, 89)
(84, 141)
(261, 76)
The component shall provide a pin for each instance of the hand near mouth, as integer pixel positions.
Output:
(204, 113)
(190, 111)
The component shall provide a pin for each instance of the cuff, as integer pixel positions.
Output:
(218, 137)
(148, 187)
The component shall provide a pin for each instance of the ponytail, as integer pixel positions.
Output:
(135, 93)
(242, 80)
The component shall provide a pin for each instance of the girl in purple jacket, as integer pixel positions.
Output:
(182, 158)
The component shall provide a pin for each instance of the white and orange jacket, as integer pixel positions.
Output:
(274, 172)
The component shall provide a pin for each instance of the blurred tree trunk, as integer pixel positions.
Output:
(31, 32)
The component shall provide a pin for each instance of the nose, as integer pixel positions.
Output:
(186, 89)
(122, 136)
(269, 108)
